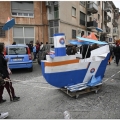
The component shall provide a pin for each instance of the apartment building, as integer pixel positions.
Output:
(119, 27)
(110, 22)
(31, 22)
(73, 18)
(94, 16)
(82, 17)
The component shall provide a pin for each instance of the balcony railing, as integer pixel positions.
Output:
(92, 7)
(107, 18)
(107, 7)
(114, 22)
(116, 13)
(115, 31)
(106, 30)
(92, 24)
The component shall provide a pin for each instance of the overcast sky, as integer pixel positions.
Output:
(117, 4)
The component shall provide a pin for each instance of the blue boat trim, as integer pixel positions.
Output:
(59, 34)
(60, 51)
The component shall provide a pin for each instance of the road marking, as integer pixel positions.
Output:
(118, 72)
(113, 75)
(28, 80)
(46, 87)
(106, 80)
(112, 79)
(32, 81)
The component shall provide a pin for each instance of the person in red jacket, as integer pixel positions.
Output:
(5, 76)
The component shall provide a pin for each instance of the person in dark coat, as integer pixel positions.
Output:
(14, 43)
(30, 45)
(94, 46)
(117, 53)
(86, 51)
(69, 50)
(111, 54)
(5, 76)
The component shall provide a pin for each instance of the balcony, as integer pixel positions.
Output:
(92, 7)
(116, 13)
(114, 22)
(115, 31)
(107, 18)
(92, 24)
(107, 7)
(106, 30)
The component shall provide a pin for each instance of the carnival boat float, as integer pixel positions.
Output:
(63, 71)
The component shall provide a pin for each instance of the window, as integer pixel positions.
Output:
(2, 32)
(23, 8)
(56, 12)
(88, 33)
(90, 18)
(110, 39)
(82, 33)
(23, 35)
(53, 28)
(82, 18)
(98, 16)
(83, 3)
(98, 2)
(50, 9)
(74, 34)
(73, 11)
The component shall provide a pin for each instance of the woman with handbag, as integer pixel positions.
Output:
(5, 76)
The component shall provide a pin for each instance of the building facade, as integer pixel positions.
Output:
(31, 22)
(82, 17)
(119, 27)
(40, 20)
(73, 18)
(110, 22)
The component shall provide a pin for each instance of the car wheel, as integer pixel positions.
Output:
(31, 69)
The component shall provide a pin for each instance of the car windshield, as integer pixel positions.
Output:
(17, 50)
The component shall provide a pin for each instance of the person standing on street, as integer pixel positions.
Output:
(34, 52)
(37, 48)
(5, 75)
(117, 53)
(30, 45)
(41, 46)
(47, 47)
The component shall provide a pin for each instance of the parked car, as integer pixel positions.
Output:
(19, 57)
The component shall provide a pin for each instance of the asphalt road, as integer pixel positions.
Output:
(40, 100)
